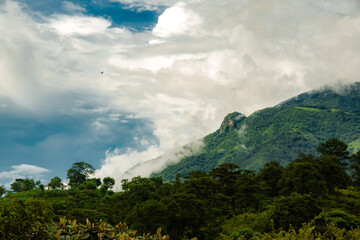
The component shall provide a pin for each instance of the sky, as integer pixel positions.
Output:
(172, 70)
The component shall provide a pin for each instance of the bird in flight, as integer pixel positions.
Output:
(102, 72)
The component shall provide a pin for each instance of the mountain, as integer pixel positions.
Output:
(279, 133)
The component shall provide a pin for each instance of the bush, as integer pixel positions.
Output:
(342, 219)
(244, 233)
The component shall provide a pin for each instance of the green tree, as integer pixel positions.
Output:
(213, 203)
(125, 184)
(139, 189)
(2, 190)
(227, 175)
(335, 147)
(294, 210)
(21, 185)
(271, 174)
(110, 182)
(79, 173)
(96, 181)
(90, 185)
(55, 182)
(248, 190)
(302, 176)
(158, 181)
(355, 168)
(147, 216)
(103, 189)
(177, 182)
(332, 171)
(17, 186)
(185, 215)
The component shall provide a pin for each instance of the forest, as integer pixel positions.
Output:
(316, 196)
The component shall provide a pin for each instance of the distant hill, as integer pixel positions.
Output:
(280, 132)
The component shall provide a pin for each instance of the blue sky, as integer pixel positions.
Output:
(120, 14)
(172, 71)
(56, 141)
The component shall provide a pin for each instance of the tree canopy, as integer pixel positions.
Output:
(79, 173)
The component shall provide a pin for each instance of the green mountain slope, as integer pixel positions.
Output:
(279, 133)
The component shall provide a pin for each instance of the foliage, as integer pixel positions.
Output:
(25, 219)
(21, 185)
(294, 210)
(342, 219)
(55, 182)
(79, 173)
(2, 190)
(147, 216)
(333, 172)
(334, 147)
(227, 175)
(301, 176)
(67, 229)
(110, 182)
(355, 168)
(271, 174)
(248, 190)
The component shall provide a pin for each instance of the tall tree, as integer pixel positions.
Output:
(355, 168)
(302, 176)
(55, 182)
(78, 173)
(110, 182)
(2, 190)
(21, 185)
(248, 190)
(294, 210)
(147, 216)
(227, 174)
(332, 171)
(95, 181)
(271, 175)
(334, 147)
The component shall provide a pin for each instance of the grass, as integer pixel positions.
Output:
(310, 109)
(354, 146)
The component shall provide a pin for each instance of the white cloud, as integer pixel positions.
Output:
(148, 2)
(146, 5)
(24, 171)
(203, 60)
(177, 20)
(71, 7)
(131, 164)
(117, 162)
(83, 25)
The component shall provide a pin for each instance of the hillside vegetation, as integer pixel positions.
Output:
(278, 133)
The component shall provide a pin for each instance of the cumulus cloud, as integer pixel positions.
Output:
(201, 61)
(177, 20)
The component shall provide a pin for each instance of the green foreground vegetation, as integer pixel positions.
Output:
(317, 196)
